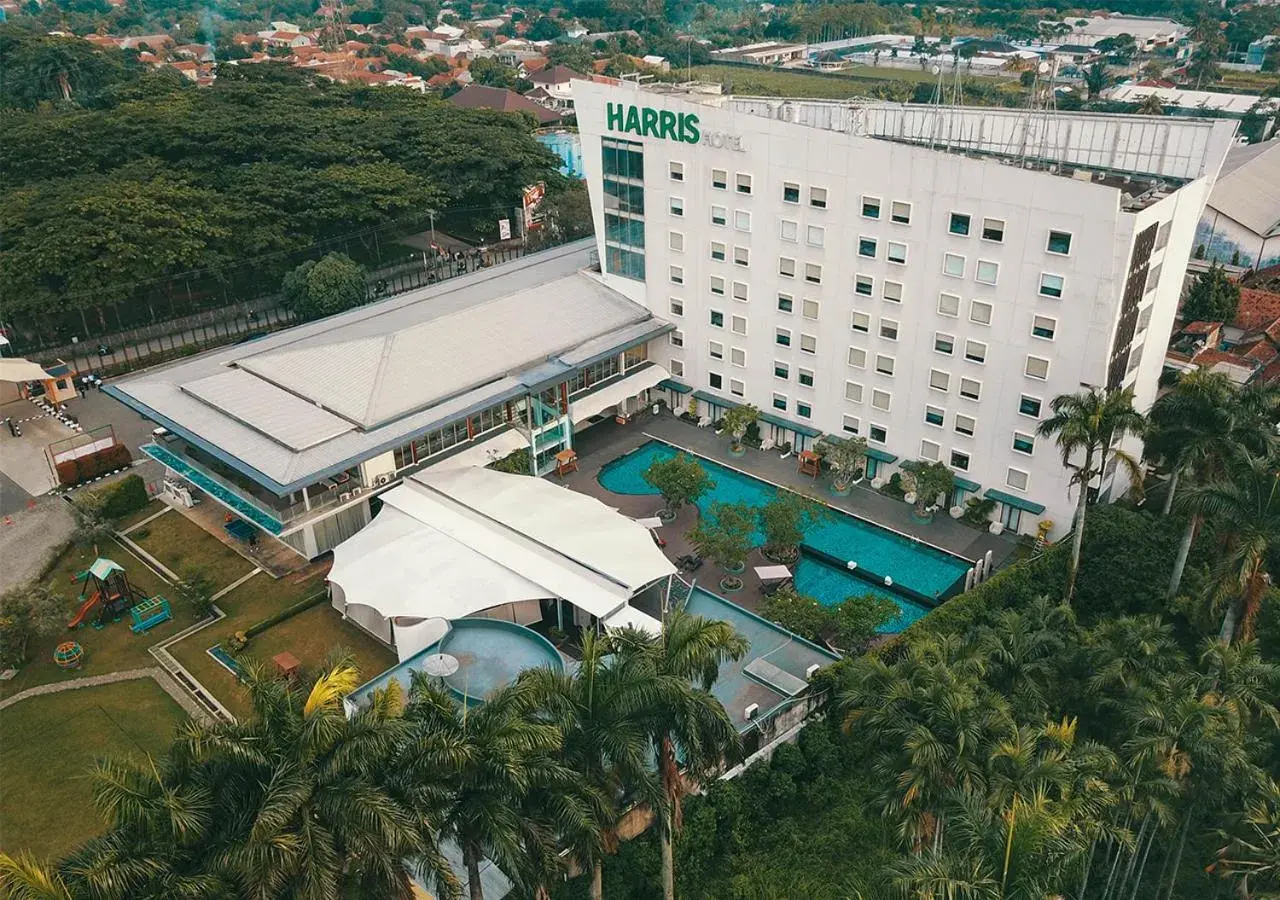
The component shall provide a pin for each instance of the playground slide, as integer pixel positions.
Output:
(82, 613)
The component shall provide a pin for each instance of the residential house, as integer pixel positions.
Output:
(478, 96)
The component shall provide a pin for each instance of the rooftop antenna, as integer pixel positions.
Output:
(1029, 140)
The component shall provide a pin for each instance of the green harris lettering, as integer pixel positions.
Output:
(633, 120)
(647, 122)
(667, 125)
(689, 127)
(614, 117)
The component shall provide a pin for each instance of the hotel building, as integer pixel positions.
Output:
(926, 277)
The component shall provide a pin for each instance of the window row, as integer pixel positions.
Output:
(962, 225)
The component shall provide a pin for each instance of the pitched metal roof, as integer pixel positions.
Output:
(1249, 190)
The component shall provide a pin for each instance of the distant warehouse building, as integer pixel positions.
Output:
(1241, 222)
(766, 53)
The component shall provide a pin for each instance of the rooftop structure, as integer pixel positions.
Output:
(1180, 99)
(479, 96)
(1150, 33)
(1241, 222)
(764, 52)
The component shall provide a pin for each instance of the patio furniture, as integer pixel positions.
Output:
(772, 578)
(810, 463)
(766, 444)
(566, 461)
(704, 421)
(287, 664)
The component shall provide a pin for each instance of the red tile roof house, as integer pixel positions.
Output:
(1246, 349)
(478, 96)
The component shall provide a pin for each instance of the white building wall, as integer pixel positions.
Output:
(935, 184)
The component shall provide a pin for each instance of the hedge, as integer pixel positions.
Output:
(85, 468)
(118, 499)
(287, 613)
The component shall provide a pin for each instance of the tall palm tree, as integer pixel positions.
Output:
(602, 711)
(1087, 426)
(1150, 105)
(1246, 506)
(23, 877)
(489, 759)
(687, 723)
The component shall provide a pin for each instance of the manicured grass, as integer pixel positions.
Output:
(314, 634)
(51, 742)
(109, 649)
(799, 83)
(180, 544)
(141, 515)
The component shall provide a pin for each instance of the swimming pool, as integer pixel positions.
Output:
(490, 654)
(918, 568)
(830, 585)
(568, 147)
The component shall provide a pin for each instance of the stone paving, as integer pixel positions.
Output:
(161, 677)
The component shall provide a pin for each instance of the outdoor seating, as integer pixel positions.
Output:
(704, 421)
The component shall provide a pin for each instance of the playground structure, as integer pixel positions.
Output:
(106, 593)
(68, 655)
(150, 613)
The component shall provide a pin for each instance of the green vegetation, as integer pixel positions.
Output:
(724, 535)
(680, 480)
(783, 520)
(1213, 297)
(180, 545)
(121, 498)
(849, 625)
(318, 289)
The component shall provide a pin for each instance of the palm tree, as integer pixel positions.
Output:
(1246, 506)
(92, 529)
(1150, 105)
(23, 877)
(687, 721)
(602, 711)
(488, 760)
(1088, 425)
(305, 799)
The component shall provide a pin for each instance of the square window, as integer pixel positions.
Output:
(1017, 479)
(719, 215)
(805, 377)
(741, 256)
(1043, 327)
(717, 285)
(949, 305)
(744, 183)
(781, 370)
(677, 338)
(959, 224)
(675, 240)
(818, 197)
(741, 220)
(867, 247)
(809, 308)
(861, 322)
(677, 306)
(738, 357)
(939, 380)
(677, 206)
(813, 273)
(788, 230)
(993, 230)
(1037, 367)
(900, 212)
(988, 272)
(740, 291)
(881, 400)
(737, 388)
(857, 357)
(850, 425)
(891, 290)
(878, 433)
(715, 380)
(934, 415)
(980, 312)
(804, 410)
(944, 343)
(965, 424)
(871, 207)
(929, 450)
(782, 337)
(808, 343)
(785, 303)
(884, 364)
(717, 318)
(897, 252)
(975, 351)
(786, 267)
(718, 251)
(816, 236)
(738, 324)
(960, 460)
(1162, 236)
(864, 285)
(677, 171)
(889, 329)
(1029, 406)
(676, 273)
(1024, 443)
(780, 401)
(853, 392)
(970, 389)
(716, 349)
(953, 265)
(677, 367)
(790, 192)
(1153, 277)
(1051, 285)
(719, 179)
(1059, 242)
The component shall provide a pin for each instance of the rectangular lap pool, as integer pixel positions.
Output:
(921, 575)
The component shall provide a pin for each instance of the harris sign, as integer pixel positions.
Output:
(644, 121)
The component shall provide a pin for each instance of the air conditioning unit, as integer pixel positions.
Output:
(752, 710)
(344, 496)
(356, 491)
(382, 479)
(808, 673)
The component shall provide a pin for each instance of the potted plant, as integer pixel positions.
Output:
(932, 480)
(736, 421)
(847, 459)
(690, 413)
(723, 535)
(679, 480)
(783, 521)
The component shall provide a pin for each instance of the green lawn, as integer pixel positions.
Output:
(849, 82)
(181, 544)
(48, 745)
(141, 515)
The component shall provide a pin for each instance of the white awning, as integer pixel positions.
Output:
(772, 573)
(650, 522)
(595, 403)
(629, 615)
(485, 452)
(18, 370)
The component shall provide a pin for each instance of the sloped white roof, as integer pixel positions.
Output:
(1249, 190)
(17, 370)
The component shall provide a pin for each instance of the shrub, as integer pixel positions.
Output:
(90, 466)
(120, 498)
(978, 510)
(286, 613)
(514, 463)
(679, 480)
(195, 590)
(894, 488)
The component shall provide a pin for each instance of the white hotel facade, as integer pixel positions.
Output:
(928, 278)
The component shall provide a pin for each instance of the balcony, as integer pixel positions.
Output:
(219, 488)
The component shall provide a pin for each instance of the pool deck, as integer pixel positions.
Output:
(605, 442)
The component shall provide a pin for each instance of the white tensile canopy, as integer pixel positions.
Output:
(598, 401)
(20, 370)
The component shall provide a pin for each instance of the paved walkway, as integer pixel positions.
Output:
(160, 676)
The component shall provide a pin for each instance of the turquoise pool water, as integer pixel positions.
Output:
(912, 565)
(830, 585)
